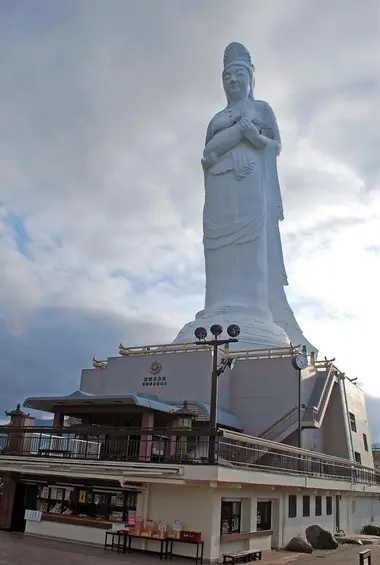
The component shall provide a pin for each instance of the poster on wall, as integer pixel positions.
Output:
(68, 494)
(33, 515)
(132, 518)
(82, 496)
(45, 492)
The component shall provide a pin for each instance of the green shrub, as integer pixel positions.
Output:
(370, 530)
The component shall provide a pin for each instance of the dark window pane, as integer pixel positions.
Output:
(318, 506)
(328, 505)
(306, 505)
(365, 441)
(292, 505)
(230, 517)
(352, 421)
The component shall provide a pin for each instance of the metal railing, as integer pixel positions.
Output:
(109, 444)
(282, 424)
(325, 395)
(179, 446)
(251, 452)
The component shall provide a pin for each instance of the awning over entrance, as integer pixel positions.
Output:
(79, 398)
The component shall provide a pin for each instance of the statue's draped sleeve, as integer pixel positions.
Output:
(209, 133)
(271, 120)
(274, 198)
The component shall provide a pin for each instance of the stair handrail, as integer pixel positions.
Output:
(285, 421)
(324, 394)
(277, 423)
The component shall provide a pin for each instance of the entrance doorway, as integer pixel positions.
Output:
(18, 522)
(264, 515)
(25, 499)
(337, 513)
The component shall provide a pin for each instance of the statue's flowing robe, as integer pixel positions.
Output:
(242, 209)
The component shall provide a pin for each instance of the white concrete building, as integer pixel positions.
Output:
(124, 442)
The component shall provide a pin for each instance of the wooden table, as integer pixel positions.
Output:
(113, 545)
(127, 546)
(199, 544)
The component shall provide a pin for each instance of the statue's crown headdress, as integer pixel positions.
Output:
(236, 53)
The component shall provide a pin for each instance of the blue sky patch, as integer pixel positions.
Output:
(20, 234)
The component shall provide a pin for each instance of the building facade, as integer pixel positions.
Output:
(117, 454)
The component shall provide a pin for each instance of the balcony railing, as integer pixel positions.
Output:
(255, 453)
(179, 446)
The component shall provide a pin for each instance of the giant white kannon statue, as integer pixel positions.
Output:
(245, 272)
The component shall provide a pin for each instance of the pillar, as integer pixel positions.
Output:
(212, 540)
(146, 440)
(58, 420)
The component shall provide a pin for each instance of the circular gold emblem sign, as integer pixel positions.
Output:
(155, 367)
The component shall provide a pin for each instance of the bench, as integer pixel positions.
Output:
(246, 556)
(365, 557)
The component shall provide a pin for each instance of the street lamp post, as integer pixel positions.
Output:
(201, 333)
(299, 362)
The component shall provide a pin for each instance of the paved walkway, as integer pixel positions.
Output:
(15, 549)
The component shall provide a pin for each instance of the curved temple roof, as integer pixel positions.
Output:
(80, 398)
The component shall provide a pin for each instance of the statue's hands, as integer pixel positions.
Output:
(209, 161)
(248, 129)
(251, 133)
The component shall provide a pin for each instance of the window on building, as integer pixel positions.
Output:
(358, 457)
(365, 441)
(292, 505)
(86, 502)
(306, 505)
(328, 505)
(230, 516)
(318, 506)
(352, 422)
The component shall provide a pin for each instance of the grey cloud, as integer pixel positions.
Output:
(104, 112)
(47, 358)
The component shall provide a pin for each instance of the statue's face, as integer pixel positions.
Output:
(236, 82)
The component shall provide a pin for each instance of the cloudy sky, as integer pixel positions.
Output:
(103, 111)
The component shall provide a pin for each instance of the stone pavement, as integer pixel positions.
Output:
(15, 549)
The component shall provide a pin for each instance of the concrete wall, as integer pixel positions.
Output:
(75, 533)
(263, 391)
(295, 527)
(335, 426)
(359, 511)
(356, 405)
(354, 513)
(187, 374)
(365, 511)
(199, 509)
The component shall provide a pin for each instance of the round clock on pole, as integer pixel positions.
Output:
(299, 361)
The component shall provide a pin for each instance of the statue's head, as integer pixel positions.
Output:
(237, 73)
